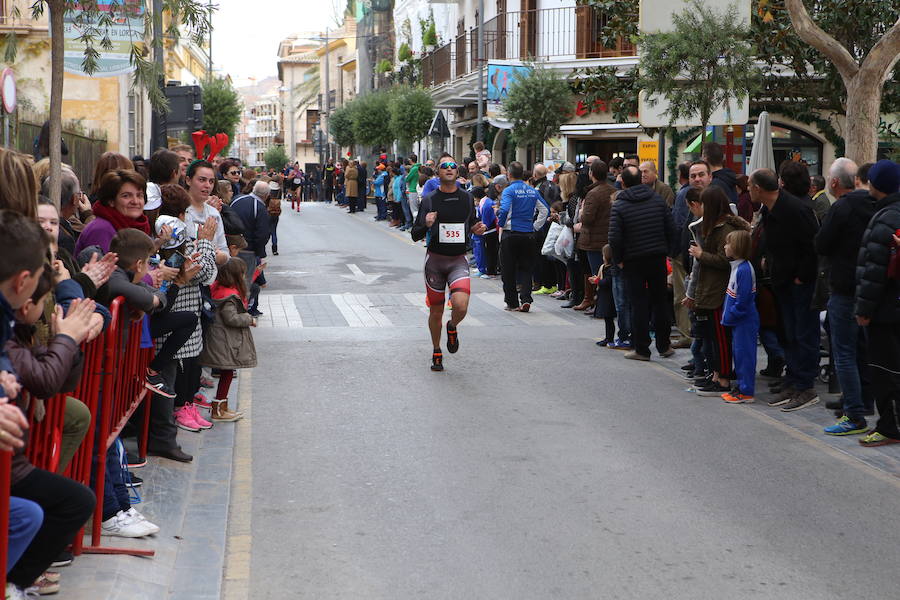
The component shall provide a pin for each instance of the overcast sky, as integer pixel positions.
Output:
(246, 33)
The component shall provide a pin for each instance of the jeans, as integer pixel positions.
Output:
(407, 212)
(273, 228)
(25, 518)
(845, 338)
(801, 332)
(698, 352)
(517, 256)
(381, 204)
(66, 504)
(769, 339)
(645, 281)
(623, 308)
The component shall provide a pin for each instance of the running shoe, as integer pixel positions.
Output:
(184, 419)
(544, 290)
(484, 276)
(734, 398)
(526, 306)
(783, 397)
(713, 389)
(604, 343)
(207, 382)
(688, 366)
(846, 426)
(801, 400)
(876, 439)
(201, 401)
(199, 420)
(452, 339)
(437, 361)
(157, 384)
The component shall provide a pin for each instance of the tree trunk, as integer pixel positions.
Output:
(57, 49)
(863, 117)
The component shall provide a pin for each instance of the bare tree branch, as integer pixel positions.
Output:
(816, 37)
(884, 54)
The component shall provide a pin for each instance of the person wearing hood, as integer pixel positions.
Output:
(722, 176)
(839, 240)
(877, 305)
(708, 287)
(641, 232)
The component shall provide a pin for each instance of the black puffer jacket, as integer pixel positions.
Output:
(840, 235)
(640, 224)
(876, 294)
(791, 228)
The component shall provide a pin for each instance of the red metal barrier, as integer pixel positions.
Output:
(111, 385)
(5, 475)
(123, 371)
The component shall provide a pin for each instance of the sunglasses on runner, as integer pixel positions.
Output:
(447, 165)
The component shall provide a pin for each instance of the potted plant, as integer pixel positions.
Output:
(404, 53)
(384, 66)
(429, 38)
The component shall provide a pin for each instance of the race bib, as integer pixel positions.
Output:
(451, 233)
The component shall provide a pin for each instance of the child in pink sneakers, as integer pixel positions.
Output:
(228, 342)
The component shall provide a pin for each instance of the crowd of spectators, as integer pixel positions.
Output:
(183, 241)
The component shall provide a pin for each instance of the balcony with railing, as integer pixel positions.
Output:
(541, 35)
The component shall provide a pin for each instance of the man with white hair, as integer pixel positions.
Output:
(650, 178)
(252, 210)
(839, 240)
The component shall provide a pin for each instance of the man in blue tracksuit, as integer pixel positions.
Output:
(522, 212)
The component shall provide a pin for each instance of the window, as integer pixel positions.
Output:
(312, 122)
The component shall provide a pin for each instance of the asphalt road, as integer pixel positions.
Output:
(536, 466)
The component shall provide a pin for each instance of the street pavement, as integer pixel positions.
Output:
(537, 465)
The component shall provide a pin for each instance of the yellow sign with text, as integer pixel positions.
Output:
(649, 151)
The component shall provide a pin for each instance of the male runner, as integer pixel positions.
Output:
(446, 217)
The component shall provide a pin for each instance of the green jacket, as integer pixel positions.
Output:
(412, 178)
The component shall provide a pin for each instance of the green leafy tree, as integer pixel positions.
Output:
(340, 125)
(222, 107)
(411, 112)
(96, 24)
(853, 48)
(370, 118)
(538, 105)
(697, 76)
(275, 157)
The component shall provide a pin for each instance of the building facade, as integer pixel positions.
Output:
(298, 73)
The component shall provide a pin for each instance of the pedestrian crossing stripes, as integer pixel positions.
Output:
(295, 311)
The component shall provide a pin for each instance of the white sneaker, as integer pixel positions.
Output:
(138, 517)
(14, 593)
(122, 525)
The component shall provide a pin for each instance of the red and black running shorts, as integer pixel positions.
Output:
(443, 271)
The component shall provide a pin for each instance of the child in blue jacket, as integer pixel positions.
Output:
(740, 314)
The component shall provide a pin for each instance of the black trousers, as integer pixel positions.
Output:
(645, 281)
(517, 254)
(66, 504)
(162, 431)
(491, 247)
(576, 278)
(884, 371)
(187, 380)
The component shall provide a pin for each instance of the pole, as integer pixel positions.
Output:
(327, 141)
(209, 74)
(661, 154)
(480, 57)
(158, 126)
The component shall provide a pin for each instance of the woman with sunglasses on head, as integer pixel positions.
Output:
(445, 219)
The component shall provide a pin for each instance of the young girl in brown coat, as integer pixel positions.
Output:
(228, 343)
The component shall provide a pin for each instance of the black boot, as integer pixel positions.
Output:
(275, 250)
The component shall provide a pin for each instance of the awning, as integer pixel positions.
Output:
(694, 146)
(439, 125)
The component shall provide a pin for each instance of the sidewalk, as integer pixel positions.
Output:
(190, 504)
